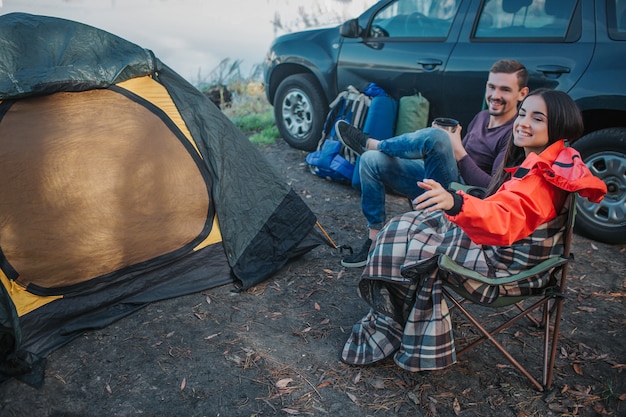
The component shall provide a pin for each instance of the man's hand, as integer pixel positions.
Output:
(455, 140)
(435, 198)
(457, 144)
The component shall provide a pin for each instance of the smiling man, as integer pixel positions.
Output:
(398, 163)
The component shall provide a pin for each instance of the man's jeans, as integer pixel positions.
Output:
(398, 164)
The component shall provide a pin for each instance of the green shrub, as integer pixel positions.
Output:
(254, 116)
(266, 136)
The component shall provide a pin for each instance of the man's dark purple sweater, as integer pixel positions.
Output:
(485, 150)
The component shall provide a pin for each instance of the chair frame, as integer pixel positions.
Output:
(551, 303)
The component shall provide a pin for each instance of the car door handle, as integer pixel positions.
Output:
(553, 71)
(429, 64)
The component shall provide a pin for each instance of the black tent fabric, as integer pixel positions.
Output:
(122, 185)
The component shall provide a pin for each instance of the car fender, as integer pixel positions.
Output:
(313, 51)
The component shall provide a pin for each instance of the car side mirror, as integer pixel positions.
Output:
(350, 29)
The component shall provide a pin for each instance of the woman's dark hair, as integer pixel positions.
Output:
(564, 122)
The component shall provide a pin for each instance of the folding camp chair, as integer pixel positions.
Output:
(548, 299)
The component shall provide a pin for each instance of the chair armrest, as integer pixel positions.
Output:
(447, 264)
(468, 189)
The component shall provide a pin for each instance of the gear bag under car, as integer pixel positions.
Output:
(373, 112)
(332, 160)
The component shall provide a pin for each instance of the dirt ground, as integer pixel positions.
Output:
(273, 350)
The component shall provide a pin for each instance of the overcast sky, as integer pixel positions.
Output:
(193, 36)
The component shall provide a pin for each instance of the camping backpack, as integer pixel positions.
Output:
(332, 160)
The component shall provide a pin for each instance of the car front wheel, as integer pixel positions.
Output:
(300, 110)
(604, 152)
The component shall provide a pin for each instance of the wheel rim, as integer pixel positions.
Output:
(610, 167)
(297, 113)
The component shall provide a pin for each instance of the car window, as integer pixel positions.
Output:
(527, 19)
(616, 19)
(414, 19)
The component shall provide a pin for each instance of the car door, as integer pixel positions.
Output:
(404, 48)
(548, 36)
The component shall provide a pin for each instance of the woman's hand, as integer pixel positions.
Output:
(434, 198)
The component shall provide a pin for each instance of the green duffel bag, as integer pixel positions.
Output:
(412, 114)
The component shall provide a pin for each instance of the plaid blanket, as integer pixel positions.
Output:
(409, 317)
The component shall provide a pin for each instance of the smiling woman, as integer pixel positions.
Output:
(194, 36)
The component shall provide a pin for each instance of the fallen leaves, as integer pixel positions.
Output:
(599, 408)
(377, 383)
(432, 406)
(614, 295)
(413, 397)
(274, 315)
(581, 393)
(329, 271)
(314, 330)
(456, 406)
(579, 398)
(258, 289)
(179, 352)
(577, 369)
(59, 378)
(282, 386)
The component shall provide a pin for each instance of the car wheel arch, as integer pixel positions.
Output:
(285, 70)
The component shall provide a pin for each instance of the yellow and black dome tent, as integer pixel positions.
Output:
(120, 184)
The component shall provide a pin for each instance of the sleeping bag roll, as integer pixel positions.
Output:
(381, 117)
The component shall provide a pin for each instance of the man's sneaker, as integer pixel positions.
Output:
(350, 136)
(358, 259)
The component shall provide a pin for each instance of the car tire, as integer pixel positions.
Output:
(604, 152)
(300, 110)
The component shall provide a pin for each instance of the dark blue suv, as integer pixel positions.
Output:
(444, 49)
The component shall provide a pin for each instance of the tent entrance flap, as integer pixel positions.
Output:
(94, 179)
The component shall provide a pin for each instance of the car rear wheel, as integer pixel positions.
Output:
(300, 110)
(604, 152)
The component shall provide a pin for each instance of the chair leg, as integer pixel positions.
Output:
(531, 318)
(488, 336)
(547, 310)
(549, 364)
(503, 327)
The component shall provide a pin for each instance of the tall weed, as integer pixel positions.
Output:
(249, 109)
